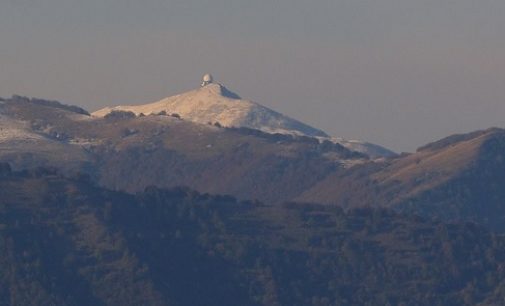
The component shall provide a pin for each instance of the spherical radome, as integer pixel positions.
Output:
(208, 78)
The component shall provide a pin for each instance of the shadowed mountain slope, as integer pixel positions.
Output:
(459, 177)
(66, 242)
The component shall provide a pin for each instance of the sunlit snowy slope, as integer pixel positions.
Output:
(213, 103)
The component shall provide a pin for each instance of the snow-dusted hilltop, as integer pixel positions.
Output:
(213, 103)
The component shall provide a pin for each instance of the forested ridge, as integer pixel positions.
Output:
(65, 241)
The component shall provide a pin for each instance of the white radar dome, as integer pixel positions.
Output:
(207, 79)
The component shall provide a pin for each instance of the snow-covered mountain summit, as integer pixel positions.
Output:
(214, 103)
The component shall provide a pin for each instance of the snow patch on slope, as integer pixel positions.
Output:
(15, 130)
(372, 150)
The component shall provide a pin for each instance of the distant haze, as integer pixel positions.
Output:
(399, 73)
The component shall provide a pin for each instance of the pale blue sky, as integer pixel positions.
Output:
(398, 73)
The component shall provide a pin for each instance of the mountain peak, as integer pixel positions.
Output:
(213, 103)
(213, 88)
(218, 89)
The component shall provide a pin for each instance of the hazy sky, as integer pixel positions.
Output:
(399, 73)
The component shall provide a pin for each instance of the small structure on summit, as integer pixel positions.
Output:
(207, 79)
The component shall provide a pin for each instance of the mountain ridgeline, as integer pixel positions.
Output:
(214, 103)
(127, 152)
(457, 178)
